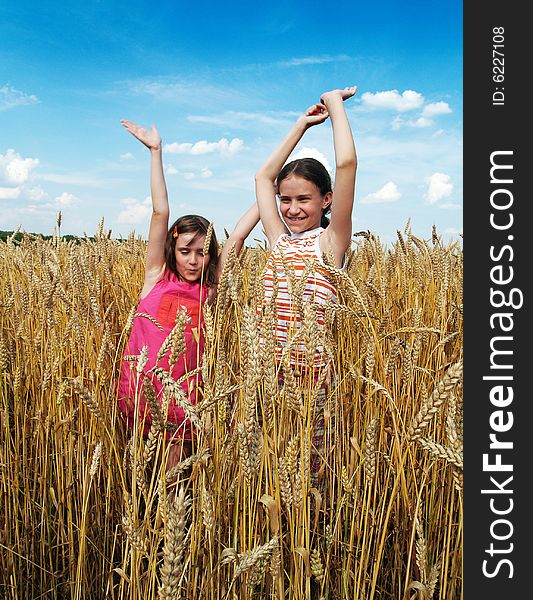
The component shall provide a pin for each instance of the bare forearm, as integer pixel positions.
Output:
(158, 188)
(345, 154)
(338, 234)
(155, 252)
(245, 224)
(276, 160)
(241, 231)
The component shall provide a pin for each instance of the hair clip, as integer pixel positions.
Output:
(175, 232)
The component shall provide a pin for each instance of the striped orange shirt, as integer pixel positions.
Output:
(293, 257)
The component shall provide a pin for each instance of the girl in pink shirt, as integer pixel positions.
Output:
(181, 274)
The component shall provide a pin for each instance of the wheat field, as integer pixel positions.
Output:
(89, 510)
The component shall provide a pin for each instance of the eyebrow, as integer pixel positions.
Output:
(299, 197)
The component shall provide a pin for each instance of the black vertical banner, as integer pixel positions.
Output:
(498, 240)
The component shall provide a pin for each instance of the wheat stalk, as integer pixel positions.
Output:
(440, 394)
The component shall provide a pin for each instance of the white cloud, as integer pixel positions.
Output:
(66, 199)
(205, 173)
(436, 108)
(398, 123)
(420, 122)
(450, 206)
(11, 98)
(199, 94)
(241, 119)
(204, 147)
(160, 89)
(388, 193)
(127, 156)
(234, 182)
(439, 186)
(393, 100)
(312, 60)
(135, 212)
(15, 169)
(36, 193)
(426, 116)
(72, 179)
(9, 193)
(306, 152)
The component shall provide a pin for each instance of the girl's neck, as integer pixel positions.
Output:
(304, 233)
(198, 282)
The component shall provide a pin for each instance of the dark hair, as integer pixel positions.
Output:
(198, 225)
(312, 170)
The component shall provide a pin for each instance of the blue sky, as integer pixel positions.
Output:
(224, 82)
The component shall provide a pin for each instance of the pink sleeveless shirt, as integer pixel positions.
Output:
(167, 296)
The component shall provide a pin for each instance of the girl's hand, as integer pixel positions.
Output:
(315, 115)
(344, 94)
(151, 139)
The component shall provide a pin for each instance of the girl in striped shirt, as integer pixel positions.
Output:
(296, 284)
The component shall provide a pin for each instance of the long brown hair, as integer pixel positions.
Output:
(198, 225)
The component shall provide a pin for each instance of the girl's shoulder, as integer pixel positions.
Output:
(169, 282)
(151, 281)
(326, 247)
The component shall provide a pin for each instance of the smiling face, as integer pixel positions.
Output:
(301, 203)
(190, 259)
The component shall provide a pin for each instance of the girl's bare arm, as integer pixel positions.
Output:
(266, 176)
(241, 231)
(155, 251)
(339, 232)
(236, 239)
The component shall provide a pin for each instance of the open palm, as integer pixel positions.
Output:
(151, 139)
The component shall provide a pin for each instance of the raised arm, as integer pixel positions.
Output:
(242, 230)
(155, 251)
(339, 232)
(266, 176)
